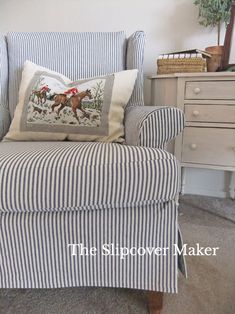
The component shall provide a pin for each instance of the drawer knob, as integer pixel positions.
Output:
(197, 90)
(193, 146)
(195, 113)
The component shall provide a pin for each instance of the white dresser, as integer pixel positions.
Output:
(208, 101)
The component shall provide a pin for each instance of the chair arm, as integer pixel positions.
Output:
(152, 126)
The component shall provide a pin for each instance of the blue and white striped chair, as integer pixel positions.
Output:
(59, 193)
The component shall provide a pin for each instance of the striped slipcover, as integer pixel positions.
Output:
(53, 194)
(75, 55)
(134, 60)
(152, 126)
(4, 109)
(56, 194)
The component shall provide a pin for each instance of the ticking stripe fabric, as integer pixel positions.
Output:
(34, 250)
(4, 112)
(76, 55)
(46, 176)
(134, 60)
(152, 126)
(55, 194)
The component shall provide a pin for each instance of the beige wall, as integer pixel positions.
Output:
(169, 24)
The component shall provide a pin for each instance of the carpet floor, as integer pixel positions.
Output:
(209, 289)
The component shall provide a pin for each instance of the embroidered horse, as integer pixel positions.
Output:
(41, 95)
(75, 102)
(60, 100)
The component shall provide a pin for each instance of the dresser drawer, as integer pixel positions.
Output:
(210, 113)
(210, 90)
(209, 146)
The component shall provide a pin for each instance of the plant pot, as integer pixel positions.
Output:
(214, 63)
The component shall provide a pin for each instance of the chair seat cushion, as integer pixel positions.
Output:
(54, 176)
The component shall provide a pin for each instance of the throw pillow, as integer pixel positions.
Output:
(53, 108)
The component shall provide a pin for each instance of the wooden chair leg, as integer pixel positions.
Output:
(155, 302)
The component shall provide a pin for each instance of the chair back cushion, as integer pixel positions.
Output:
(75, 55)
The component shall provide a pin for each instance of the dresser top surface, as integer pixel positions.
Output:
(198, 74)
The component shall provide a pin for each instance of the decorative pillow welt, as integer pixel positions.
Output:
(53, 108)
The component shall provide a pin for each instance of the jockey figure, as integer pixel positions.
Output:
(45, 88)
(72, 91)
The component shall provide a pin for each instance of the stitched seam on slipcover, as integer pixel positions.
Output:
(93, 207)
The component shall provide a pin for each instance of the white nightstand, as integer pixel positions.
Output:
(208, 100)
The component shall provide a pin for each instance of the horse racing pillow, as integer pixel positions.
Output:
(52, 108)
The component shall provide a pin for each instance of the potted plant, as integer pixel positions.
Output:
(213, 13)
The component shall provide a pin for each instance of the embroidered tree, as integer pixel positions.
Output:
(213, 13)
(98, 95)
